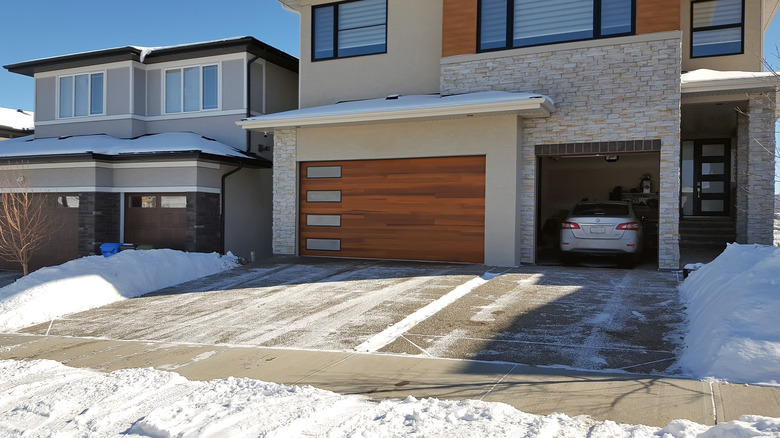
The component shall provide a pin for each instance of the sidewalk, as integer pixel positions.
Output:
(623, 398)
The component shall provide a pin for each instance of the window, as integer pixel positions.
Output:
(190, 89)
(81, 95)
(349, 29)
(716, 27)
(505, 24)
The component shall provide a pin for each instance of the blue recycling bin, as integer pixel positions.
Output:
(109, 249)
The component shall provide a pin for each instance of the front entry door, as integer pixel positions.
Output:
(705, 175)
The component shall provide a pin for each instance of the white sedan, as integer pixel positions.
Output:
(602, 228)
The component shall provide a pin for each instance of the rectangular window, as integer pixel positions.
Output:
(191, 89)
(717, 27)
(505, 24)
(347, 29)
(81, 95)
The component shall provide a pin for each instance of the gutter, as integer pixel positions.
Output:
(222, 207)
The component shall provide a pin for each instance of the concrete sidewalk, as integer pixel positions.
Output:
(623, 398)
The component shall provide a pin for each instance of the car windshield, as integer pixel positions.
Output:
(600, 210)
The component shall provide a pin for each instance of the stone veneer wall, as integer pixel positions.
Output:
(98, 221)
(740, 191)
(618, 92)
(760, 168)
(285, 184)
(202, 232)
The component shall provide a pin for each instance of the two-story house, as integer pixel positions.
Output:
(456, 130)
(139, 145)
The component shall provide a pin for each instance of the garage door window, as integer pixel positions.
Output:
(323, 196)
(68, 201)
(173, 201)
(323, 172)
(143, 201)
(323, 244)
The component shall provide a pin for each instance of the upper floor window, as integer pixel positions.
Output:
(191, 89)
(506, 24)
(81, 95)
(717, 27)
(348, 29)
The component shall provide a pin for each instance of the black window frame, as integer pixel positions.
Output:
(722, 26)
(510, 28)
(335, 6)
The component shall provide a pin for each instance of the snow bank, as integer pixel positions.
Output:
(732, 305)
(45, 398)
(95, 281)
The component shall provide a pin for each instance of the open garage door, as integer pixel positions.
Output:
(566, 179)
(409, 209)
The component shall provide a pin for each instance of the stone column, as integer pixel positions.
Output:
(285, 184)
(741, 180)
(762, 112)
(98, 221)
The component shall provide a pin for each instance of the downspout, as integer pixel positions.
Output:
(249, 96)
(222, 206)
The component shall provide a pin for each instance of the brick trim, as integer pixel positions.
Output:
(599, 147)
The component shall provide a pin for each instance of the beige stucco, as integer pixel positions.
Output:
(410, 66)
(750, 60)
(496, 137)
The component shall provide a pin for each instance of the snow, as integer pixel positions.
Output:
(732, 305)
(705, 75)
(95, 281)
(107, 145)
(45, 398)
(17, 119)
(401, 103)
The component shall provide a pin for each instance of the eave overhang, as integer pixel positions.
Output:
(715, 82)
(526, 105)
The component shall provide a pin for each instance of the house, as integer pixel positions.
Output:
(457, 130)
(139, 145)
(15, 123)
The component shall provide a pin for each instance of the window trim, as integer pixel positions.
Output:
(89, 75)
(335, 6)
(181, 69)
(722, 26)
(510, 28)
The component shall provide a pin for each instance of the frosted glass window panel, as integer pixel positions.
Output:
(173, 91)
(96, 94)
(323, 244)
(66, 96)
(173, 201)
(362, 27)
(323, 196)
(713, 187)
(323, 172)
(191, 89)
(543, 22)
(81, 95)
(210, 87)
(616, 17)
(493, 23)
(711, 205)
(712, 168)
(323, 220)
(713, 150)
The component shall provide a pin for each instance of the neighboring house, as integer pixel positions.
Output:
(465, 127)
(15, 123)
(139, 145)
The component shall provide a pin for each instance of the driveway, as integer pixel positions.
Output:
(586, 318)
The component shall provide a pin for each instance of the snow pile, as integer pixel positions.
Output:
(732, 305)
(95, 281)
(17, 119)
(45, 398)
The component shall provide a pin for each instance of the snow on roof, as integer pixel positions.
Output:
(108, 145)
(146, 51)
(16, 119)
(713, 80)
(413, 106)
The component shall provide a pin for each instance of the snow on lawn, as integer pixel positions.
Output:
(732, 304)
(45, 398)
(95, 281)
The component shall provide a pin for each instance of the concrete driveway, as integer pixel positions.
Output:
(587, 318)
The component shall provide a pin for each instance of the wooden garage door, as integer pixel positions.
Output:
(156, 219)
(409, 209)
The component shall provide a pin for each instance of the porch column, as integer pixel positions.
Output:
(760, 168)
(285, 184)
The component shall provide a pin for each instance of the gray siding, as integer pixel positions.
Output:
(124, 128)
(118, 91)
(232, 88)
(220, 128)
(282, 89)
(256, 87)
(139, 92)
(45, 99)
(154, 92)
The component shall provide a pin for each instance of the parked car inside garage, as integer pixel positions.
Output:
(602, 228)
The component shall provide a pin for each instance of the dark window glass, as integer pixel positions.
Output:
(716, 28)
(349, 29)
(600, 210)
(616, 17)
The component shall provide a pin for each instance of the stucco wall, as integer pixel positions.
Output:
(248, 213)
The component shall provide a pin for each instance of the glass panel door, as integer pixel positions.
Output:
(705, 178)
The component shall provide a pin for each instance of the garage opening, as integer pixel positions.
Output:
(158, 220)
(568, 177)
(409, 209)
